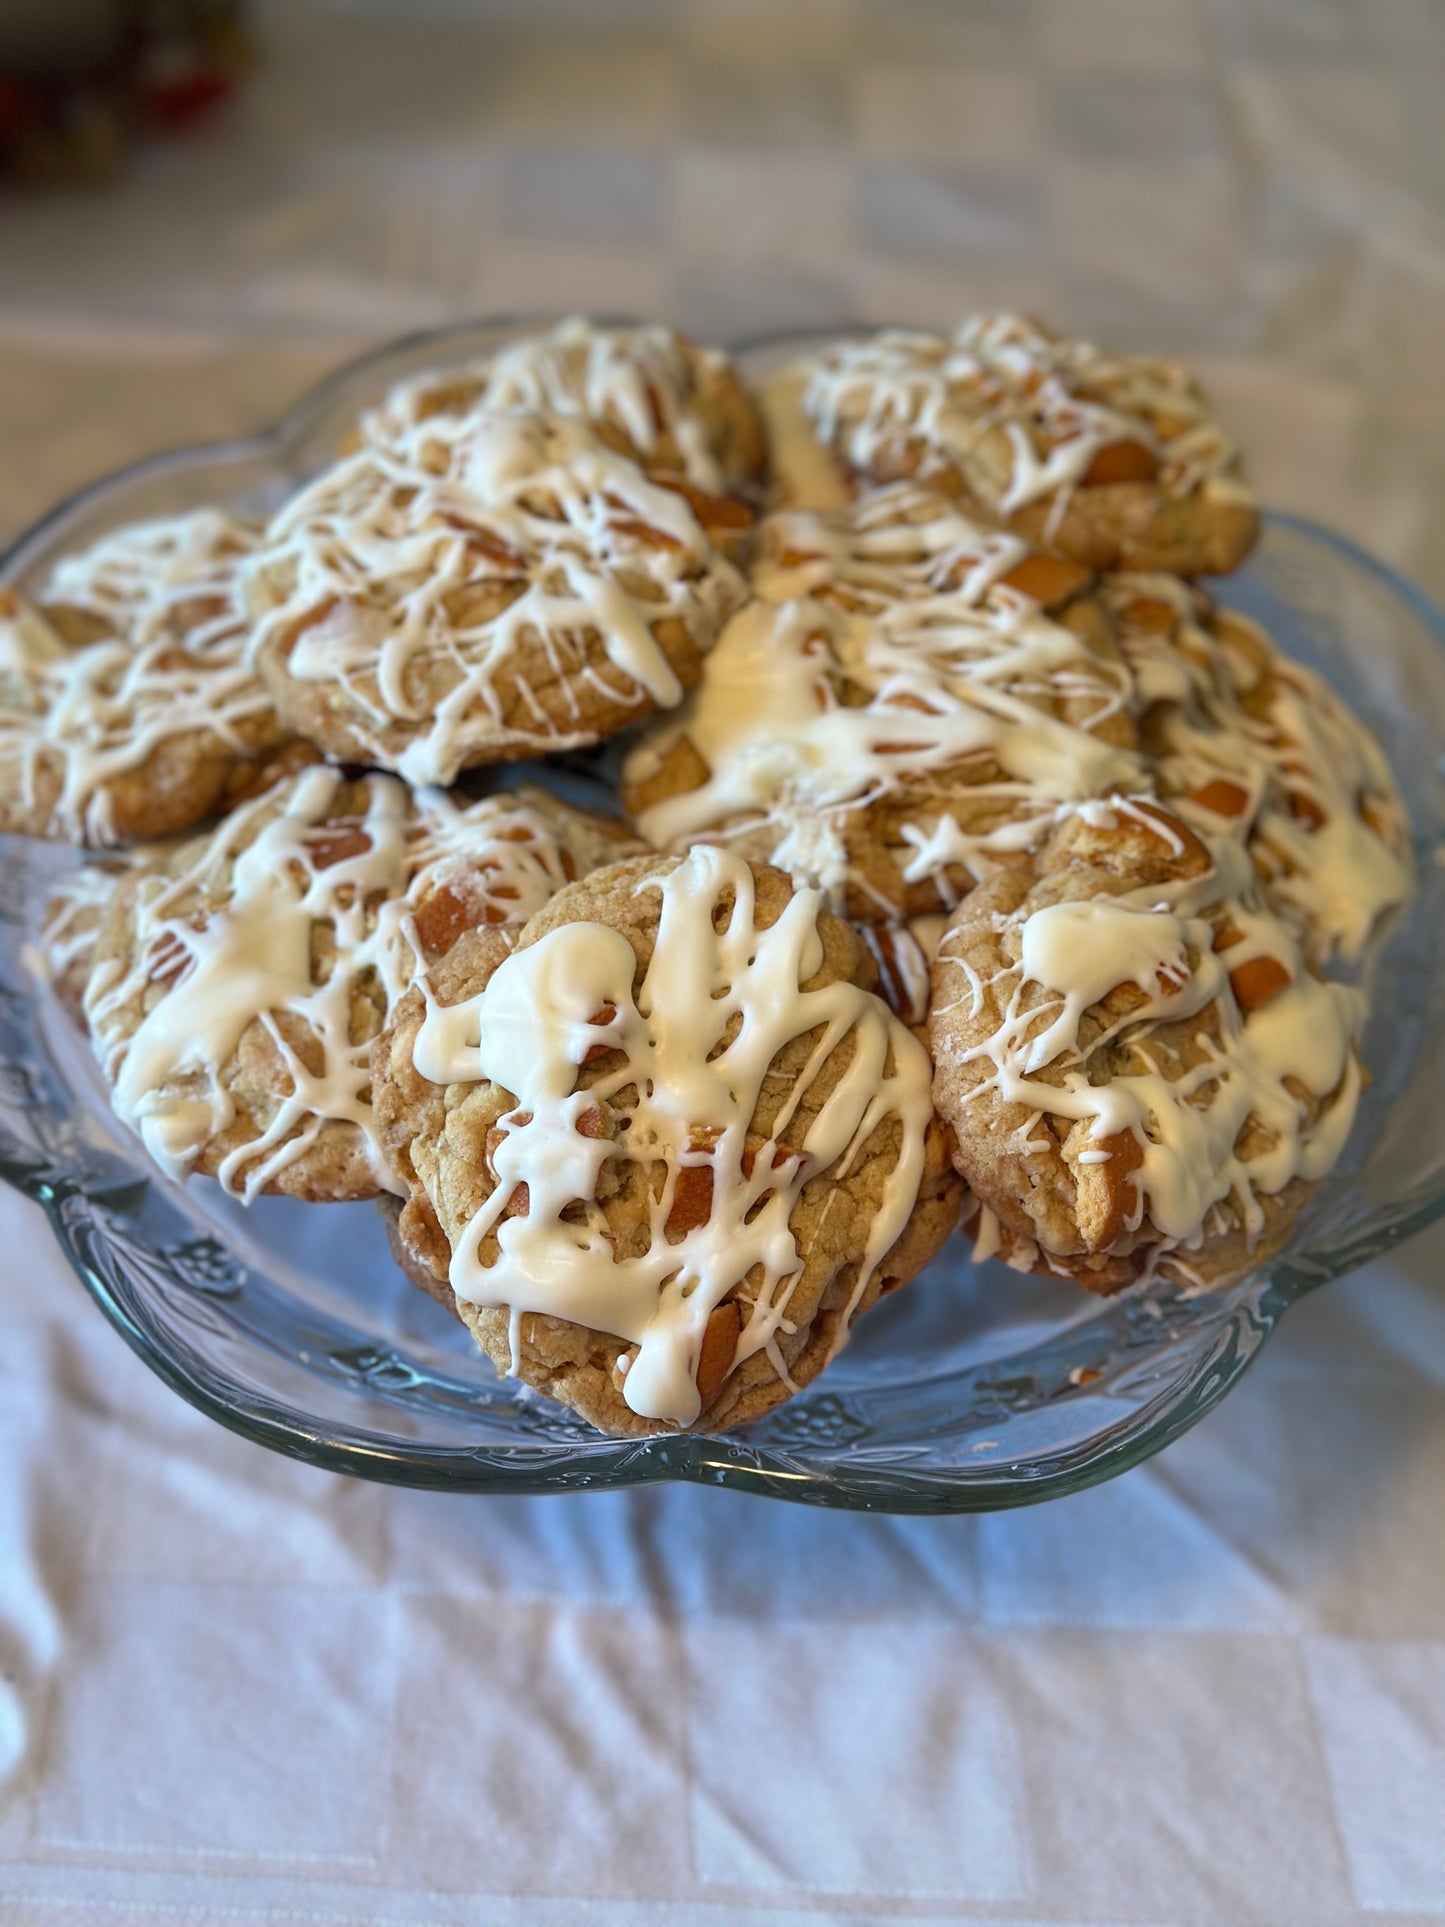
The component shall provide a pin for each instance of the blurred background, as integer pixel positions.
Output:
(223, 200)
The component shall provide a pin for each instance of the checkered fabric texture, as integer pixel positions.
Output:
(233, 1689)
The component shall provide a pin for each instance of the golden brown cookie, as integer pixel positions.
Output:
(1110, 459)
(1243, 741)
(540, 594)
(127, 709)
(71, 924)
(239, 980)
(425, 1276)
(903, 954)
(648, 392)
(1136, 1059)
(670, 1144)
(903, 707)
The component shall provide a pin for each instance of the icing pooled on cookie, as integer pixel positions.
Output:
(720, 999)
(1083, 949)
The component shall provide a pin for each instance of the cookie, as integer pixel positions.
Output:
(538, 596)
(671, 1143)
(432, 1281)
(904, 705)
(1244, 741)
(127, 708)
(70, 927)
(239, 981)
(1138, 1063)
(1110, 459)
(648, 392)
(903, 956)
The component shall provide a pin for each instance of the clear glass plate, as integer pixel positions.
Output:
(975, 1388)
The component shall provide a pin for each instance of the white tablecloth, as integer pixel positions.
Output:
(235, 1689)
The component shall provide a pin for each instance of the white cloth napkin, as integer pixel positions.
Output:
(237, 1688)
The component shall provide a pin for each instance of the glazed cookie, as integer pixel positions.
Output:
(1244, 741)
(648, 392)
(428, 1275)
(540, 595)
(127, 709)
(904, 706)
(71, 925)
(1110, 459)
(1137, 1062)
(903, 955)
(669, 1146)
(239, 981)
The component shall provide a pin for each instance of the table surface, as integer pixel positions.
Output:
(236, 1689)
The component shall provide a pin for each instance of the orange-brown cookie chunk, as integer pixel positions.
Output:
(903, 707)
(238, 981)
(669, 1141)
(1136, 1058)
(539, 594)
(648, 392)
(1110, 459)
(127, 708)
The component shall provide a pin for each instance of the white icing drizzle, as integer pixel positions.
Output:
(884, 647)
(174, 665)
(1286, 1065)
(1059, 402)
(805, 476)
(373, 562)
(1262, 746)
(641, 381)
(73, 914)
(531, 1029)
(230, 929)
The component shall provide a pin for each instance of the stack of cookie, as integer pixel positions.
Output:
(977, 863)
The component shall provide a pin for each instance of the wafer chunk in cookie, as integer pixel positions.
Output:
(1111, 459)
(904, 953)
(671, 1142)
(902, 708)
(127, 707)
(1137, 1062)
(238, 981)
(538, 595)
(1245, 742)
(648, 392)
